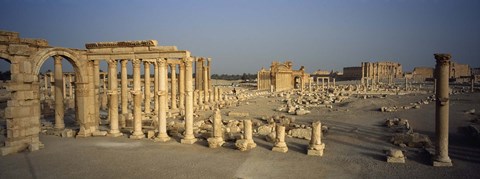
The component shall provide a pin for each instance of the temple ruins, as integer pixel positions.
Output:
(281, 77)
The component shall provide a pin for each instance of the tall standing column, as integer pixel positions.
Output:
(205, 85)
(363, 73)
(124, 93)
(442, 110)
(64, 86)
(189, 138)
(70, 86)
(162, 117)
(156, 88)
(173, 70)
(147, 87)
(182, 86)
(59, 109)
(113, 108)
(472, 84)
(96, 91)
(137, 101)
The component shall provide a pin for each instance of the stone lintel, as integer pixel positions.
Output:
(139, 43)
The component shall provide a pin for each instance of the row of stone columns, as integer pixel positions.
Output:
(68, 81)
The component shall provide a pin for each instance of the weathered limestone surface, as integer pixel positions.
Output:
(217, 133)
(280, 145)
(442, 110)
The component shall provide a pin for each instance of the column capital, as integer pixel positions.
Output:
(147, 62)
(442, 58)
(187, 61)
(112, 62)
(136, 63)
(124, 61)
(57, 58)
(162, 62)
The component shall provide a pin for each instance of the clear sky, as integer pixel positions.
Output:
(242, 35)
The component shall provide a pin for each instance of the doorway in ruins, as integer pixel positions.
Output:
(5, 76)
(56, 78)
(297, 82)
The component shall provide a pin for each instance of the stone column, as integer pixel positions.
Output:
(64, 86)
(316, 146)
(205, 85)
(198, 73)
(163, 106)
(248, 133)
(156, 89)
(441, 110)
(173, 70)
(363, 73)
(113, 108)
(217, 96)
(147, 87)
(59, 108)
(406, 83)
(96, 91)
(70, 87)
(137, 101)
(333, 82)
(217, 133)
(195, 98)
(52, 86)
(189, 138)
(280, 145)
(182, 86)
(472, 83)
(124, 93)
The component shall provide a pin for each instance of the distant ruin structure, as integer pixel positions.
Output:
(374, 71)
(281, 77)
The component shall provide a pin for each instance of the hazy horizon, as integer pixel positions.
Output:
(244, 36)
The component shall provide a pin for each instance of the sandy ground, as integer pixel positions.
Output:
(355, 147)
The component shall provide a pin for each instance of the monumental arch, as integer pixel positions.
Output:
(28, 55)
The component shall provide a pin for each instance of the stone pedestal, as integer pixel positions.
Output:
(280, 145)
(441, 157)
(316, 146)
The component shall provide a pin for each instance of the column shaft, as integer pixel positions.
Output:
(113, 108)
(189, 138)
(147, 87)
(137, 101)
(124, 91)
(173, 87)
(59, 106)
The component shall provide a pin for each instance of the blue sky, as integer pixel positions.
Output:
(242, 36)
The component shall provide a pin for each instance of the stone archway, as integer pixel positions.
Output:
(81, 84)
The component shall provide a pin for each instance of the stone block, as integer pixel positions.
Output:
(150, 134)
(99, 133)
(238, 114)
(395, 159)
(280, 149)
(67, 133)
(442, 164)
(188, 141)
(19, 49)
(315, 152)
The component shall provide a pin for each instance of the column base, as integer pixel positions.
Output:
(215, 142)
(442, 164)
(395, 159)
(99, 133)
(114, 134)
(162, 138)
(280, 149)
(137, 136)
(188, 141)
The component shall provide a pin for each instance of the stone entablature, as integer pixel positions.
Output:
(140, 43)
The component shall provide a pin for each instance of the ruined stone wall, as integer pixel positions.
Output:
(422, 73)
(352, 73)
(458, 70)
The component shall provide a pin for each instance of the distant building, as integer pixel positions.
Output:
(422, 73)
(376, 71)
(281, 77)
(459, 70)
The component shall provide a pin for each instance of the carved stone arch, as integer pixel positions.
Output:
(42, 55)
(6, 57)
